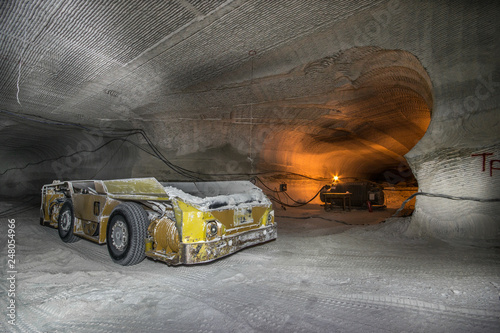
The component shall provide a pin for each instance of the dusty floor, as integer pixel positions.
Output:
(325, 273)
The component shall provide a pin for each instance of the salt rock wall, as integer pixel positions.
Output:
(376, 107)
(35, 153)
(458, 156)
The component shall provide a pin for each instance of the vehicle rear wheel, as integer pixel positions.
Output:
(65, 223)
(41, 216)
(126, 233)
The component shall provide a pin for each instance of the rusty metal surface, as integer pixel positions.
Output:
(165, 236)
(208, 251)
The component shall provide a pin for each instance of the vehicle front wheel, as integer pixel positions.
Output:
(125, 234)
(65, 223)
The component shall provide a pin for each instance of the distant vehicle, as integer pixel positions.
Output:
(178, 223)
(358, 194)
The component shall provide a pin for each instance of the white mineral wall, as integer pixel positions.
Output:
(449, 160)
(465, 124)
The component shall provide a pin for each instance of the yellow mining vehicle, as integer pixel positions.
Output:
(176, 222)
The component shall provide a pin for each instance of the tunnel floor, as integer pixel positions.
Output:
(322, 274)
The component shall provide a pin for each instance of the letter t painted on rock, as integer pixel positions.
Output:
(484, 159)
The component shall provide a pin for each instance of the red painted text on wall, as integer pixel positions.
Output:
(491, 162)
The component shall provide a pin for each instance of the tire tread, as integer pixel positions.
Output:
(70, 237)
(137, 220)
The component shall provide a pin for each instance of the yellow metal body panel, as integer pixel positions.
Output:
(134, 186)
(84, 206)
(193, 223)
(258, 214)
(226, 217)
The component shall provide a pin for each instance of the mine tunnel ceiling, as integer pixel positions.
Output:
(247, 75)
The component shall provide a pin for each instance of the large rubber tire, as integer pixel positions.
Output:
(126, 233)
(65, 223)
(41, 217)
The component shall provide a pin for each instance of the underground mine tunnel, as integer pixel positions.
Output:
(372, 127)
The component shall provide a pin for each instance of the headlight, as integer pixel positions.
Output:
(212, 229)
(270, 217)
